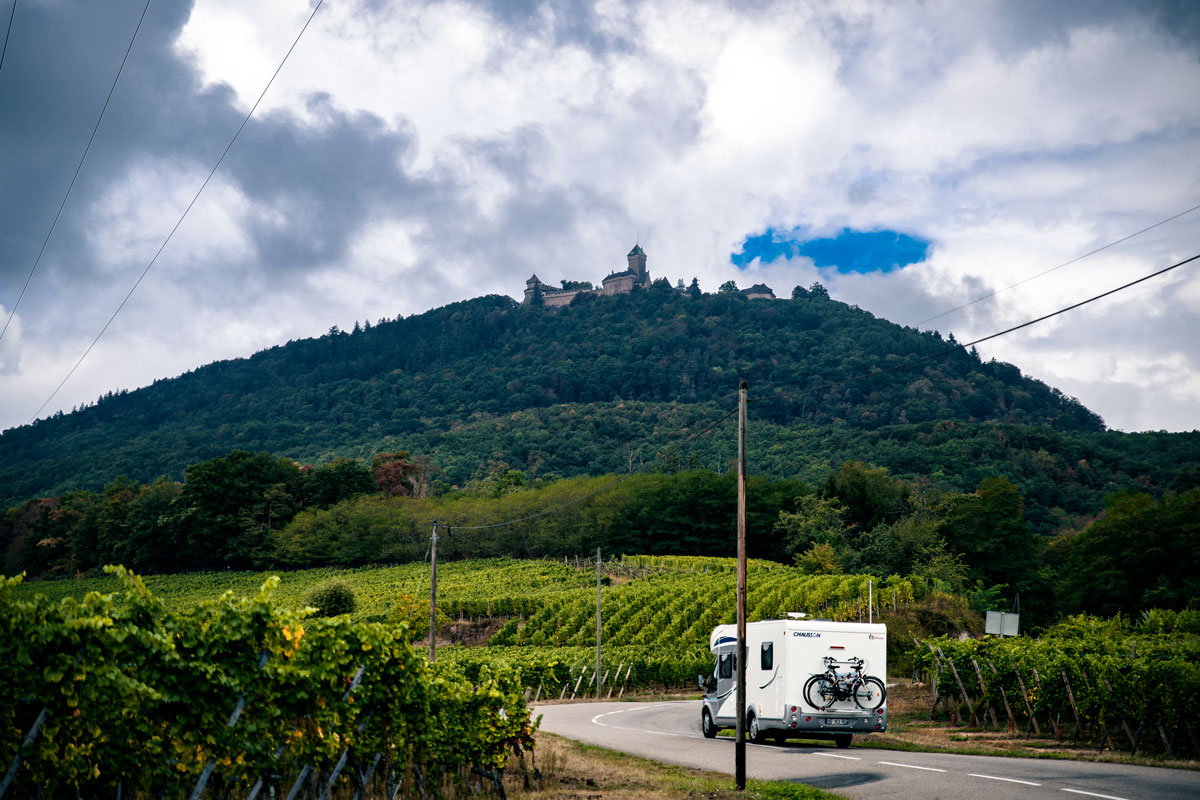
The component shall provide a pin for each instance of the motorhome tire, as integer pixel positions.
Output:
(870, 693)
(707, 726)
(754, 733)
(842, 740)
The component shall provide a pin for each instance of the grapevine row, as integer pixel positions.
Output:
(1099, 679)
(115, 693)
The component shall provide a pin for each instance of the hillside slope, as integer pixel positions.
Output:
(415, 378)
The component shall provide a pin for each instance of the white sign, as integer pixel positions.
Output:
(1002, 623)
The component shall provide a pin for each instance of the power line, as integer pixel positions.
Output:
(1060, 266)
(832, 385)
(185, 211)
(8, 33)
(78, 167)
(1006, 331)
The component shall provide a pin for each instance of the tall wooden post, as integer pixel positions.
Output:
(740, 745)
(433, 540)
(599, 680)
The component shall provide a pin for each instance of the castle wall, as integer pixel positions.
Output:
(557, 299)
(621, 284)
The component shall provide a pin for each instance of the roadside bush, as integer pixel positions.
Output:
(332, 599)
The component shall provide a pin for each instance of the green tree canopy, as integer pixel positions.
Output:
(1141, 554)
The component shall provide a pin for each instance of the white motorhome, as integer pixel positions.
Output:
(812, 678)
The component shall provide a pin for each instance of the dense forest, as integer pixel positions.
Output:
(343, 450)
(248, 510)
(445, 382)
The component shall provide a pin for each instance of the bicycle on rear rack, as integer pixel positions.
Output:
(826, 688)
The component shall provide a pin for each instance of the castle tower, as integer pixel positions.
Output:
(531, 287)
(637, 265)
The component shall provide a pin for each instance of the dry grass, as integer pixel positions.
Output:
(561, 769)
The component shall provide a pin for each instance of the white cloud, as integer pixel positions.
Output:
(1013, 145)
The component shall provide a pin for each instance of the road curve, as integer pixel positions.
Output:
(670, 732)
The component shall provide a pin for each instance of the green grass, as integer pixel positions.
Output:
(676, 781)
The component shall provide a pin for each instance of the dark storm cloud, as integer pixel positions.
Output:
(329, 177)
(1032, 22)
(536, 226)
(61, 61)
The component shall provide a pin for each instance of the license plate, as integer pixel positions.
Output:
(837, 722)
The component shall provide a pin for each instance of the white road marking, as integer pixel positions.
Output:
(912, 766)
(596, 720)
(998, 778)
(1092, 794)
(835, 755)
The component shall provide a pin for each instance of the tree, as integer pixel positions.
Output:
(987, 527)
(910, 546)
(1141, 554)
(728, 287)
(817, 290)
(694, 289)
(229, 505)
(870, 495)
(799, 292)
(816, 520)
(820, 559)
(338, 480)
(400, 475)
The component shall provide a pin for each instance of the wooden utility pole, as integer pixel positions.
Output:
(740, 658)
(599, 679)
(433, 594)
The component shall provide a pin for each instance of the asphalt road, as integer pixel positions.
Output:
(670, 732)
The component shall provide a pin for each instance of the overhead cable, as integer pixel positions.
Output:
(1060, 266)
(948, 351)
(824, 387)
(182, 216)
(8, 33)
(78, 167)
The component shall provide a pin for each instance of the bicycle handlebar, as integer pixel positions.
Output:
(853, 660)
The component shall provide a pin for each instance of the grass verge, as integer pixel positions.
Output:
(565, 769)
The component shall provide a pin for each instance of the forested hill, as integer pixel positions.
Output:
(403, 382)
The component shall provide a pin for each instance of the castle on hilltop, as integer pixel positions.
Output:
(635, 275)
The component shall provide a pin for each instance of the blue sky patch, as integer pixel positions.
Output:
(849, 251)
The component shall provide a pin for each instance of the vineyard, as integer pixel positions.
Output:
(656, 611)
(1110, 683)
(466, 589)
(224, 681)
(116, 694)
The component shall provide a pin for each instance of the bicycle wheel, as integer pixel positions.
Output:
(869, 693)
(820, 692)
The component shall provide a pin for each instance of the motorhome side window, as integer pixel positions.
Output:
(725, 666)
(767, 660)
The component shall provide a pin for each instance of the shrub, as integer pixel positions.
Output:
(332, 599)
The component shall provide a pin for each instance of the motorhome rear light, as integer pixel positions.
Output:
(808, 719)
(879, 711)
(793, 708)
(876, 727)
(793, 724)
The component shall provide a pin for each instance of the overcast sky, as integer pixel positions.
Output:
(414, 154)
